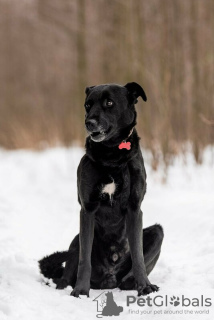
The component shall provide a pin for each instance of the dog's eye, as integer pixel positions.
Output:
(87, 106)
(109, 103)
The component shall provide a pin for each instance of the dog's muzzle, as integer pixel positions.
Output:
(91, 125)
(96, 131)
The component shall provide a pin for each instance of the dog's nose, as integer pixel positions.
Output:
(91, 125)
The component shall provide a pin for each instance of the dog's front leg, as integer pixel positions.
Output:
(134, 232)
(86, 236)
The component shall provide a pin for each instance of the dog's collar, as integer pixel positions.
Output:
(124, 144)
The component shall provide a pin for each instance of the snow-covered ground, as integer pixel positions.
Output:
(39, 214)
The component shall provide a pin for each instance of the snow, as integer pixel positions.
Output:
(39, 214)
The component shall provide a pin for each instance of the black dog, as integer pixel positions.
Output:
(111, 249)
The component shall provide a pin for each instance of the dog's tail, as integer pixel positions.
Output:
(51, 266)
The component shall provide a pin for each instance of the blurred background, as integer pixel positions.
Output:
(51, 50)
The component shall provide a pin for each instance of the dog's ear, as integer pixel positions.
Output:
(135, 91)
(88, 90)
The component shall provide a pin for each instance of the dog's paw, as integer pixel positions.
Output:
(80, 291)
(61, 284)
(147, 289)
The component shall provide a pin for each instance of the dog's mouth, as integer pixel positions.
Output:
(98, 136)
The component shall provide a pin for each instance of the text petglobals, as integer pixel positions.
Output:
(160, 301)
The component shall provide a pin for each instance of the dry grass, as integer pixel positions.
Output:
(50, 50)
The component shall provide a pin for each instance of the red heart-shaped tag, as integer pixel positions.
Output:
(125, 145)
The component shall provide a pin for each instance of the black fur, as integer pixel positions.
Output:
(111, 250)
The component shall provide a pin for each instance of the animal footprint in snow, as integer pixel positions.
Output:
(174, 301)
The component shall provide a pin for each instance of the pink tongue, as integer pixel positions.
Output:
(125, 145)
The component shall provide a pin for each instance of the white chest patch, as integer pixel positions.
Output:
(109, 188)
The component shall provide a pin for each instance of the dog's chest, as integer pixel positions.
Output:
(109, 189)
(112, 187)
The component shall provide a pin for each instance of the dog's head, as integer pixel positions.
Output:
(109, 294)
(110, 109)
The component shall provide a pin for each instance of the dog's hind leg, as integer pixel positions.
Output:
(152, 241)
(70, 271)
(153, 238)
